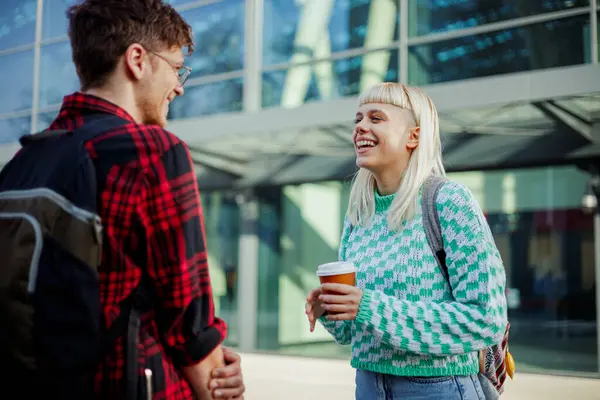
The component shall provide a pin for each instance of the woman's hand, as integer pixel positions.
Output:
(314, 308)
(341, 301)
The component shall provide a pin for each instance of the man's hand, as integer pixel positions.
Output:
(313, 307)
(227, 382)
(343, 304)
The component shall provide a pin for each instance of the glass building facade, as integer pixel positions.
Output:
(259, 54)
(292, 52)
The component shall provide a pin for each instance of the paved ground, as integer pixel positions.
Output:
(291, 378)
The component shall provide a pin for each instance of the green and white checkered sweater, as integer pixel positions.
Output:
(410, 323)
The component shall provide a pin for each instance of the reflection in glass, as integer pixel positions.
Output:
(328, 79)
(211, 98)
(11, 129)
(307, 219)
(547, 45)
(55, 23)
(552, 286)
(17, 23)
(296, 31)
(221, 220)
(219, 32)
(57, 73)
(434, 16)
(270, 294)
(547, 245)
(16, 81)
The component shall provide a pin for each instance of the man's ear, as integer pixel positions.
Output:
(413, 138)
(135, 60)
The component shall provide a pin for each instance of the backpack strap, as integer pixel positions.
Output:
(128, 322)
(29, 138)
(93, 126)
(142, 302)
(431, 220)
(98, 124)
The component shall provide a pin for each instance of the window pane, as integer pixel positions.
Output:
(547, 245)
(17, 23)
(295, 31)
(16, 81)
(546, 45)
(55, 19)
(57, 74)
(219, 32)
(212, 98)
(433, 16)
(55, 23)
(222, 225)
(11, 129)
(300, 228)
(327, 80)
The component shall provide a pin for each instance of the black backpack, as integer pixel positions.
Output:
(51, 334)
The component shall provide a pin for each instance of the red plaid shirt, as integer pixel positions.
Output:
(153, 221)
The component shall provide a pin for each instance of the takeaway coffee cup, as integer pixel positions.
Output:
(337, 272)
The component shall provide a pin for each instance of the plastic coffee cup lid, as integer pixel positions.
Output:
(335, 268)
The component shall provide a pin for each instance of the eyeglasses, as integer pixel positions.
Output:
(183, 72)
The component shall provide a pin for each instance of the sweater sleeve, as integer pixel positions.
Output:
(340, 330)
(477, 316)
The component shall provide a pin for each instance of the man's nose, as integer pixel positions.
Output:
(179, 90)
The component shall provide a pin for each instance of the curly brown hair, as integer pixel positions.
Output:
(102, 30)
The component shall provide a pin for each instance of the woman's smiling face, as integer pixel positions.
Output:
(384, 136)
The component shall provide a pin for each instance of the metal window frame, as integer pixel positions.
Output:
(18, 49)
(253, 31)
(249, 240)
(212, 78)
(594, 38)
(196, 4)
(54, 40)
(36, 64)
(594, 10)
(403, 48)
(340, 55)
(16, 114)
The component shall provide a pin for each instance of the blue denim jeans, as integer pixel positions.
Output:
(374, 386)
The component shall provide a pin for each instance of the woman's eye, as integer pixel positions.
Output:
(376, 118)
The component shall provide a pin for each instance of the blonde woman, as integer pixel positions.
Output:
(413, 335)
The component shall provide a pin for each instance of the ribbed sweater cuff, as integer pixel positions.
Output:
(365, 313)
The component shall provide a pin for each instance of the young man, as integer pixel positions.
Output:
(130, 62)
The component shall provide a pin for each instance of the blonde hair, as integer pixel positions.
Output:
(425, 160)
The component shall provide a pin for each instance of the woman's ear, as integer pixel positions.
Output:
(413, 138)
